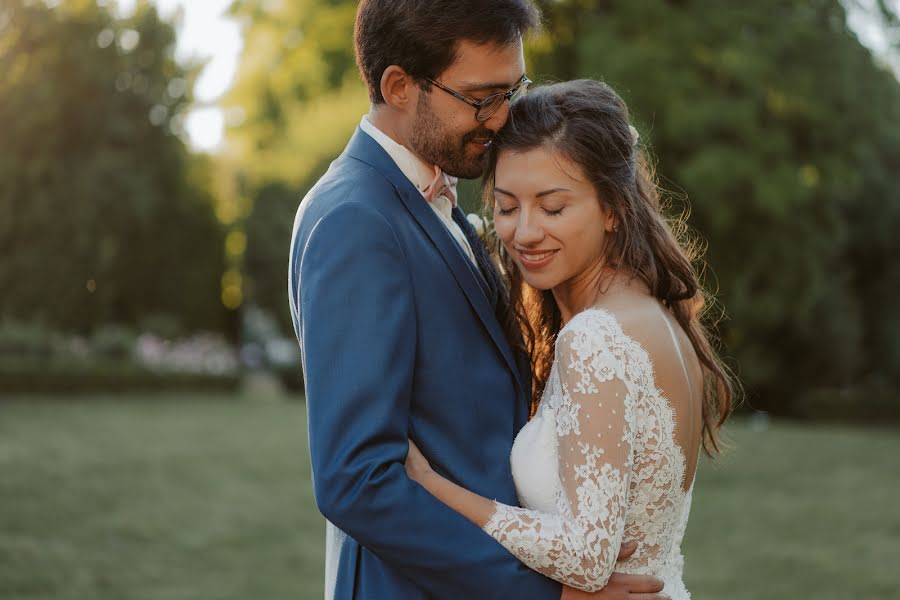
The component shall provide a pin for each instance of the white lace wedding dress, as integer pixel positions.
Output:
(598, 464)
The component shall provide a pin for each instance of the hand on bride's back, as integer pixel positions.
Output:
(622, 586)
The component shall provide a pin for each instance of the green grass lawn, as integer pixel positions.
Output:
(209, 498)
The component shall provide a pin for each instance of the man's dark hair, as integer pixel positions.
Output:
(422, 36)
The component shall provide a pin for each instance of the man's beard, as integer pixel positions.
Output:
(433, 144)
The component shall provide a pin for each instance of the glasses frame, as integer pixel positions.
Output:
(478, 105)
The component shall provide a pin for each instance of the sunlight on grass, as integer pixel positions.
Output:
(174, 498)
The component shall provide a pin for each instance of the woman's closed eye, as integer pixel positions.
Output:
(554, 212)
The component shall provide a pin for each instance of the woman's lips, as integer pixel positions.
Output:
(534, 259)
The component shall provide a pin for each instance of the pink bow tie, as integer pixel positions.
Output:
(441, 185)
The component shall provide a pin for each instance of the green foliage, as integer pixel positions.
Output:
(29, 340)
(36, 359)
(104, 217)
(784, 134)
(299, 97)
(268, 230)
(297, 89)
(771, 118)
(76, 377)
(113, 342)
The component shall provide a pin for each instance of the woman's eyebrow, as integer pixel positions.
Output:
(552, 191)
(538, 195)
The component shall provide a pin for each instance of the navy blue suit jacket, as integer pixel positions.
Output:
(400, 340)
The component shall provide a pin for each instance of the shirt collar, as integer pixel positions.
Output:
(420, 173)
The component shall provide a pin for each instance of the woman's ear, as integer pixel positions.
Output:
(612, 223)
(398, 88)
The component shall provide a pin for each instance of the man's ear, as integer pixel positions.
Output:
(398, 88)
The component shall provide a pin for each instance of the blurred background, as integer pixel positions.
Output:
(152, 155)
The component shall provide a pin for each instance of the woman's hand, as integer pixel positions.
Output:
(470, 505)
(417, 466)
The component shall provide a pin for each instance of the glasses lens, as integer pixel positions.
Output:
(491, 105)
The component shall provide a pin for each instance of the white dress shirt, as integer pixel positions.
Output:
(421, 175)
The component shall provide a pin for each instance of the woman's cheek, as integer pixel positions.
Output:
(504, 226)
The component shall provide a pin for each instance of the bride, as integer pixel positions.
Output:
(627, 388)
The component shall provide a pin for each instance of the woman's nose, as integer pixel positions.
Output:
(528, 231)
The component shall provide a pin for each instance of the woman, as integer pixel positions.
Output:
(627, 388)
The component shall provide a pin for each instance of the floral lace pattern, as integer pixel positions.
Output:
(620, 470)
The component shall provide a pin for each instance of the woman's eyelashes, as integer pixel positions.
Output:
(552, 212)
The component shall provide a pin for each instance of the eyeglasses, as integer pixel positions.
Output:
(485, 108)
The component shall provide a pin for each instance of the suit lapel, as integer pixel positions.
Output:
(364, 148)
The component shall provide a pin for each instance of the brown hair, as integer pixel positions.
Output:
(422, 36)
(587, 123)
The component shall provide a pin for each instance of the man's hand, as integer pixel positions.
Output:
(622, 586)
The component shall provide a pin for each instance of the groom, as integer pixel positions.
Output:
(394, 301)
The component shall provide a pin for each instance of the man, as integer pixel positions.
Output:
(394, 302)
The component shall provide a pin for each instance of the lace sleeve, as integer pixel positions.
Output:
(595, 429)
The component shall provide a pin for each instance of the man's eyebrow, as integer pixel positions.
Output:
(484, 87)
(473, 86)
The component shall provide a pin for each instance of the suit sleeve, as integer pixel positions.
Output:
(357, 323)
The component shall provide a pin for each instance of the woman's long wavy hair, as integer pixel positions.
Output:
(586, 122)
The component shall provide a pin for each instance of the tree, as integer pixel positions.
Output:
(297, 89)
(771, 119)
(783, 132)
(104, 216)
(298, 98)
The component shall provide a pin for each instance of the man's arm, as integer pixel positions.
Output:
(358, 335)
